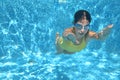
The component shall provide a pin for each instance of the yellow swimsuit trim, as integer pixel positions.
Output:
(69, 46)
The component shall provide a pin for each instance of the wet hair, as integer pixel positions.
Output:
(80, 14)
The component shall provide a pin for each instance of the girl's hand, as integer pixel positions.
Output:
(110, 26)
(77, 42)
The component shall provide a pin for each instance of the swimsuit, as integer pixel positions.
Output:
(69, 46)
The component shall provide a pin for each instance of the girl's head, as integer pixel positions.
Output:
(82, 19)
(81, 14)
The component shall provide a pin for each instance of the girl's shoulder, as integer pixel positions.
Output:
(68, 31)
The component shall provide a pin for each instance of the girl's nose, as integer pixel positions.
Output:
(82, 30)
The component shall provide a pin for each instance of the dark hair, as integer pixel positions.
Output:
(79, 15)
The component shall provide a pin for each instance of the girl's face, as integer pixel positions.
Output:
(82, 26)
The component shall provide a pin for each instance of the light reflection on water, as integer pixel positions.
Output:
(27, 36)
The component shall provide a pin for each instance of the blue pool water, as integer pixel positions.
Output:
(27, 40)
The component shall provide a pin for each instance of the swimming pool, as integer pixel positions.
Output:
(27, 36)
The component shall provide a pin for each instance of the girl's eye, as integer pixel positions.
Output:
(79, 27)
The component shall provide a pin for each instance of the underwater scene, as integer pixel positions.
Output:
(27, 40)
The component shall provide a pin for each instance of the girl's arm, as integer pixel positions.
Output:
(102, 34)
